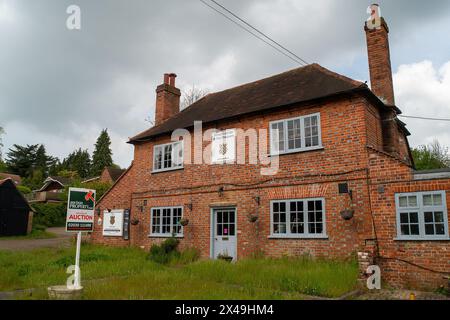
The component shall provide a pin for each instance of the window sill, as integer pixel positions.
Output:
(281, 237)
(167, 170)
(319, 148)
(166, 236)
(422, 239)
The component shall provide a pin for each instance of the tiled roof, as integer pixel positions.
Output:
(299, 85)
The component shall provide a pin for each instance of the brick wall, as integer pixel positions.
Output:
(352, 138)
(118, 197)
(388, 177)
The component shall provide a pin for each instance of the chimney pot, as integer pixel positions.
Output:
(172, 77)
(166, 78)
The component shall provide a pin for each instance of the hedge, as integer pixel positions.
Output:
(50, 214)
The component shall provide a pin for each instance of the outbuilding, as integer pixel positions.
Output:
(16, 215)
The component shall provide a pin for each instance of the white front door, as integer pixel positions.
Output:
(224, 239)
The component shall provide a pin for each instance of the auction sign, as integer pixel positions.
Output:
(80, 210)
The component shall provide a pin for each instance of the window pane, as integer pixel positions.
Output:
(403, 202)
(278, 137)
(429, 217)
(157, 158)
(405, 230)
(414, 217)
(315, 217)
(437, 200)
(167, 157)
(429, 229)
(412, 202)
(427, 200)
(297, 218)
(156, 221)
(415, 229)
(311, 131)
(440, 229)
(404, 217)
(439, 217)
(279, 218)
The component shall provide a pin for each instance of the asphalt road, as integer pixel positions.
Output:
(62, 240)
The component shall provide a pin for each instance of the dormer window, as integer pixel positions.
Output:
(295, 135)
(168, 157)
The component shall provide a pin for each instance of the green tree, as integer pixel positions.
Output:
(78, 161)
(42, 161)
(102, 154)
(21, 160)
(34, 182)
(2, 132)
(432, 156)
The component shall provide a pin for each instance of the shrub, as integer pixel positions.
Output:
(164, 252)
(50, 214)
(24, 189)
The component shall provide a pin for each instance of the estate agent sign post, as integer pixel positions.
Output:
(80, 218)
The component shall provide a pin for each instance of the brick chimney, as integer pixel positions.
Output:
(167, 99)
(377, 34)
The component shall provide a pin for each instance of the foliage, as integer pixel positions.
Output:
(3, 167)
(24, 160)
(102, 156)
(21, 160)
(99, 187)
(191, 96)
(432, 156)
(35, 181)
(24, 189)
(2, 132)
(78, 161)
(165, 251)
(50, 214)
(73, 175)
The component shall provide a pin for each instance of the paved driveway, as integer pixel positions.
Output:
(62, 240)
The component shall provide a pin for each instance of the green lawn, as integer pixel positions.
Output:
(115, 273)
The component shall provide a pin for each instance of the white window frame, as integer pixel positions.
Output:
(216, 136)
(166, 235)
(421, 209)
(306, 234)
(302, 148)
(173, 167)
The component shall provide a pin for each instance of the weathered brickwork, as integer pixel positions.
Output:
(405, 263)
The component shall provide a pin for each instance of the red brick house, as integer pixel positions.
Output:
(345, 181)
(108, 175)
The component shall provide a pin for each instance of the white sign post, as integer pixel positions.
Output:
(80, 218)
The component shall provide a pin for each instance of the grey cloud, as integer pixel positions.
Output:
(105, 74)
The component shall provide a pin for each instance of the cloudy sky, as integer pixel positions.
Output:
(60, 87)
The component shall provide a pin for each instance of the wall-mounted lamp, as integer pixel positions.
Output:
(343, 188)
(221, 190)
(258, 200)
(189, 206)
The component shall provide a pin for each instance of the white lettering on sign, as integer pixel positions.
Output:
(73, 22)
(374, 280)
(374, 21)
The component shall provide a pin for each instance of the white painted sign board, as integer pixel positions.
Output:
(113, 223)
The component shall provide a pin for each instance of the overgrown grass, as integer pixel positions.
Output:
(35, 234)
(115, 273)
